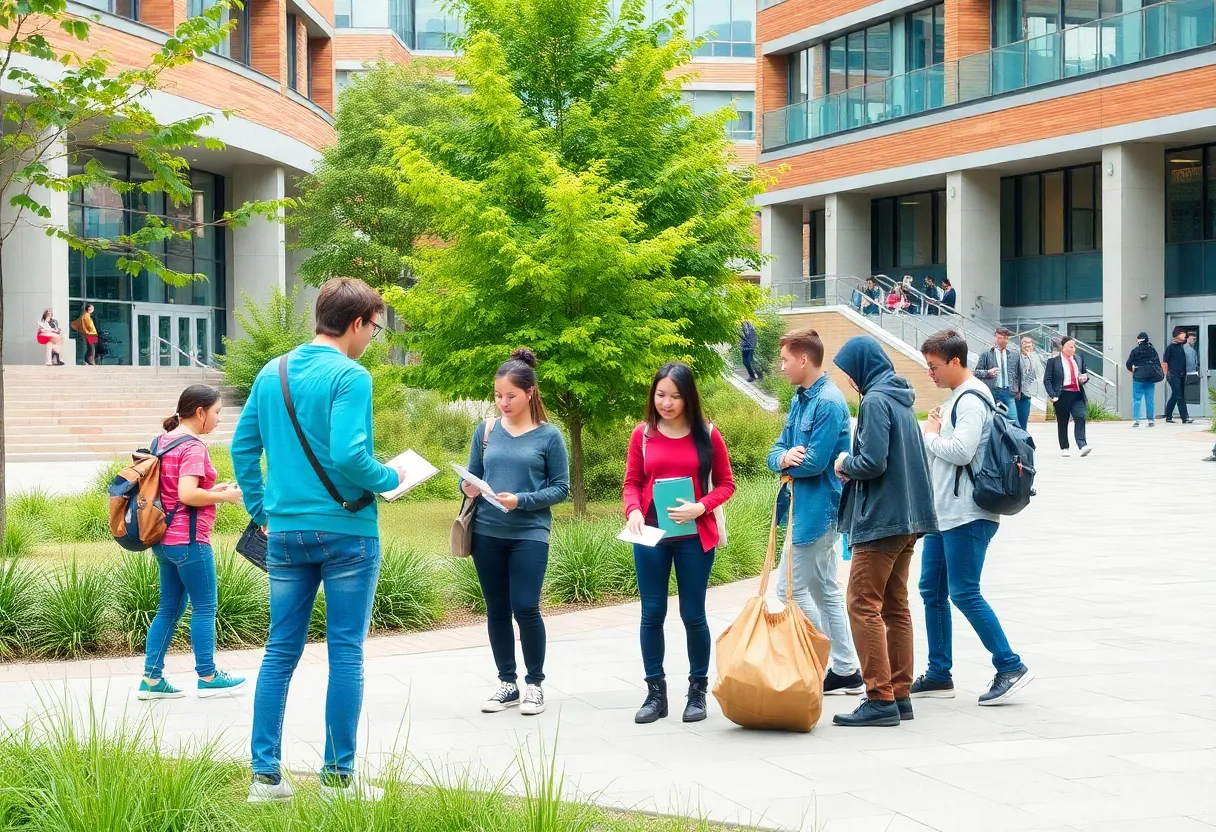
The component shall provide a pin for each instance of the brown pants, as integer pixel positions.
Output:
(878, 613)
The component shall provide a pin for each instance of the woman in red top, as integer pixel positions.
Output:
(675, 441)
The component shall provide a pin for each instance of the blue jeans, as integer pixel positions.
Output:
(1023, 408)
(951, 563)
(511, 574)
(1145, 391)
(300, 562)
(653, 566)
(1002, 395)
(187, 574)
(817, 591)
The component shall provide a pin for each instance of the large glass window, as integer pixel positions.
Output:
(727, 25)
(1184, 208)
(893, 47)
(908, 232)
(123, 8)
(800, 80)
(293, 54)
(434, 24)
(342, 10)
(236, 45)
(1190, 221)
(741, 128)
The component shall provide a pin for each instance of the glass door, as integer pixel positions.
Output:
(143, 337)
(1201, 337)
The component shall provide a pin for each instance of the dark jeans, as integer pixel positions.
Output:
(747, 363)
(1002, 395)
(348, 566)
(950, 567)
(1023, 408)
(878, 612)
(511, 573)
(1072, 404)
(1178, 397)
(653, 566)
(187, 574)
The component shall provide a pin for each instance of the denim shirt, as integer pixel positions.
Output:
(818, 421)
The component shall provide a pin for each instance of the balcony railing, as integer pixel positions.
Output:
(1121, 40)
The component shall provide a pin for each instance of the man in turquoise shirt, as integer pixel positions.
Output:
(316, 538)
(816, 432)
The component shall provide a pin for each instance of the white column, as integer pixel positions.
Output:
(307, 298)
(973, 237)
(259, 252)
(36, 271)
(1133, 253)
(781, 241)
(846, 230)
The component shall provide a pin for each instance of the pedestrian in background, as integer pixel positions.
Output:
(1177, 365)
(748, 341)
(1029, 376)
(1064, 379)
(1000, 370)
(1145, 366)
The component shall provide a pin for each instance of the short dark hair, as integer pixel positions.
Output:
(342, 301)
(946, 282)
(805, 341)
(1179, 330)
(1066, 339)
(1001, 330)
(948, 344)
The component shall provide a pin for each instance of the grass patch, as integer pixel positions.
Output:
(72, 613)
(464, 590)
(136, 595)
(409, 593)
(588, 565)
(242, 609)
(18, 601)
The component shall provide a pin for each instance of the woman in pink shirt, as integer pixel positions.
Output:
(189, 494)
(675, 441)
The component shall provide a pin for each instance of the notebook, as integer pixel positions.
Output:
(417, 471)
(667, 494)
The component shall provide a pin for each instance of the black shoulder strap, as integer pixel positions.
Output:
(959, 469)
(352, 506)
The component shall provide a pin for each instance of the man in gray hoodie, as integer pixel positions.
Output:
(886, 505)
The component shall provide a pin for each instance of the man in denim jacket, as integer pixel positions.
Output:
(816, 432)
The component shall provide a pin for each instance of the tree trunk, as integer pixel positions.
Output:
(577, 487)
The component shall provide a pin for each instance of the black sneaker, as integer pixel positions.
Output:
(1169, 421)
(905, 709)
(1210, 458)
(926, 688)
(834, 685)
(1188, 421)
(505, 697)
(1005, 685)
(870, 712)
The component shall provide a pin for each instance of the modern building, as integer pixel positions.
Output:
(1055, 159)
(276, 71)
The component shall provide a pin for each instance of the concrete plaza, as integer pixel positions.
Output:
(1106, 586)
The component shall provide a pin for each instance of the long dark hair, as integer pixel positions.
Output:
(686, 383)
(520, 370)
(188, 403)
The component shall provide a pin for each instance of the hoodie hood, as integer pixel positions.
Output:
(862, 358)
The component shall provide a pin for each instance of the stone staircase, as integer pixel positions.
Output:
(65, 414)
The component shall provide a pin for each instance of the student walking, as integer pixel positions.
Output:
(675, 441)
(1145, 366)
(1065, 379)
(1029, 375)
(886, 505)
(523, 457)
(949, 297)
(311, 412)
(1001, 370)
(51, 337)
(85, 326)
(952, 558)
(816, 432)
(1176, 368)
(748, 341)
(189, 494)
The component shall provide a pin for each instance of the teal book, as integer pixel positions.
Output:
(667, 494)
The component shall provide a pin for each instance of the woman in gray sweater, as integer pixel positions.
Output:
(523, 458)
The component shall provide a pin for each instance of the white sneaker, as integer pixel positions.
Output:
(1086, 450)
(1135, 424)
(1065, 453)
(503, 698)
(534, 701)
(280, 792)
(356, 790)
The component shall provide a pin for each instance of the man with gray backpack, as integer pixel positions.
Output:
(980, 469)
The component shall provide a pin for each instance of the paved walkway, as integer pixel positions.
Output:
(1105, 586)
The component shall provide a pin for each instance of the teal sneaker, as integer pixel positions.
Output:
(161, 690)
(220, 684)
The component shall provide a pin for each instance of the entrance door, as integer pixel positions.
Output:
(1201, 334)
(169, 337)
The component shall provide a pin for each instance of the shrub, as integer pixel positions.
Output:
(464, 590)
(748, 430)
(439, 430)
(604, 453)
(582, 565)
(136, 596)
(749, 515)
(1097, 412)
(18, 606)
(74, 610)
(316, 620)
(409, 592)
(230, 519)
(84, 518)
(22, 533)
(269, 331)
(35, 505)
(242, 611)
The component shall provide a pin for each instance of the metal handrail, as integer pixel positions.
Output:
(157, 340)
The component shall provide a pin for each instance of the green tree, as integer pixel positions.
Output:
(57, 101)
(569, 202)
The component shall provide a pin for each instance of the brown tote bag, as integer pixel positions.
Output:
(460, 538)
(771, 665)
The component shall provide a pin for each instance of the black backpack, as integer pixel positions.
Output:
(1003, 469)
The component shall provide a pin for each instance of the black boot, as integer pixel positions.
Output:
(694, 711)
(655, 706)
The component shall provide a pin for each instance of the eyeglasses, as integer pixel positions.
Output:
(376, 329)
(933, 368)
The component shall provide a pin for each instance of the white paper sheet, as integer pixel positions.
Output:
(417, 471)
(481, 485)
(649, 536)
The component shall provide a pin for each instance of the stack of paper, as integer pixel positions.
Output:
(417, 471)
(481, 485)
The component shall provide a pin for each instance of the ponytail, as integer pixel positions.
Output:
(172, 423)
(188, 403)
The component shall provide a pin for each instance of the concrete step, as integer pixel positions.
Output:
(125, 434)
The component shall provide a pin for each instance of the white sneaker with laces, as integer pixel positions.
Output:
(1065, 453)
(503, 698)
(1086, 450)
(279, 792)
(534, 701)
(355, 790)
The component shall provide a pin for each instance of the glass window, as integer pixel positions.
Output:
(882, 234)
(1029, 208)
(728, 27)
(342, 13)
(1184, 195)
(1009, 234)
(818, 243)
(800, 82)
(1083, 213)
(236, 45)
(293, 54)
(1053, 212)
(856, 59)
(401, 20)
(1006, 22)
(915, 230)
(1210, 155)
(939, 34)
(837, 72)
(1078, 12)
(939, 234)
(878, 52)
(433, 25)
(920, 40)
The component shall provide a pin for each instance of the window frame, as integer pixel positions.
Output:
(293, 52)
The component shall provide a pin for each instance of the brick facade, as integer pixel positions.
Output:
(321, 55)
